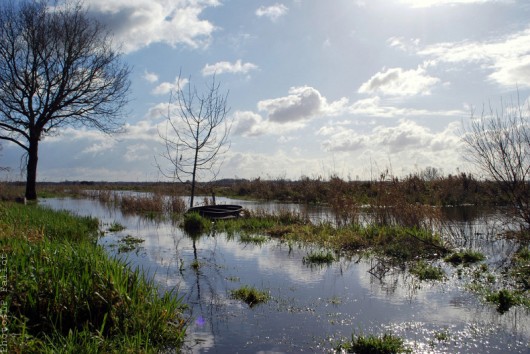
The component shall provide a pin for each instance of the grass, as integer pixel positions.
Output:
(521, 267)
(116, 227)
(401, 243)
(386, 344)
(33, 223)
(319, 257)
(465, 258)
(504, 299)
(194, 224)
(64, 293)
(425, 271)
(253, 239)
(128, 243)
(250, 295)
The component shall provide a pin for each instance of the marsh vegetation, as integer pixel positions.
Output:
(396, 241)
(64, 293)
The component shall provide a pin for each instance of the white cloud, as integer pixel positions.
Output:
(302, 103)
(407, 136)
(250, 124)
(167, 87)
(150, 77)
(139, 23)
(273, 12)
(227, 67)
(399, 82)
(507, 57)
(374, 107)
(404, 44)
(271, 165)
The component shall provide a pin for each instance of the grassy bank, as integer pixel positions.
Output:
(64, 294)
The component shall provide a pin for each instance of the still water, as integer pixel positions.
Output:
(311, 308)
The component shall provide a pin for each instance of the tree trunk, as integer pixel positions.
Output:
(31, 177)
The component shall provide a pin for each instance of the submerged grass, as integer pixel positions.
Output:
(129, 243)
(64, 293)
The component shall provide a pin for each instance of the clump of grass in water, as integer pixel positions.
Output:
(250, 295)
(465, 257)
(387, 344)
(320, 257)
(65, 294)
(116, 227)
(195, 224)
(425, 271)
(129, 243)
(255, 239)
(505, 299)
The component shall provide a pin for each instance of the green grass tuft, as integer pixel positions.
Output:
(387, 344)
(320, 257)
(194, 224)
(425, 271)
(465, 257)
(250, 295)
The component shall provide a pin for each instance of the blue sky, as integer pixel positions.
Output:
(316, 87)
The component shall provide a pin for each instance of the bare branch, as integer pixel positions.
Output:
(57, 69)
(196, 134)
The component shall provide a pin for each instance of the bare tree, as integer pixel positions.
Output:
(196, 134)
(498, 143)
(57, 68)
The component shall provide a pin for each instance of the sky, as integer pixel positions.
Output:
(315, 87)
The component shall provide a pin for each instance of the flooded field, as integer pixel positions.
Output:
(312, 308)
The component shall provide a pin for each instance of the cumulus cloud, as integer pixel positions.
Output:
(507, 57)
(139, 23)
(166, 87)
(400, 82)
(227, 67)
(404, 44)
(302, 103)
(150, 77)
(407, 135)
(273, 12)
(250, 124)
(375, 107)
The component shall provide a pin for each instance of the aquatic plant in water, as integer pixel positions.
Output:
(250, 295)
(319, 257)
(386, 344)
(464, 257)
(425, 271)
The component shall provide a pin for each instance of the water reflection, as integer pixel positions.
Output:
(310, 307)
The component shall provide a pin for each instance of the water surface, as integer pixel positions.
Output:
(311, 308)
